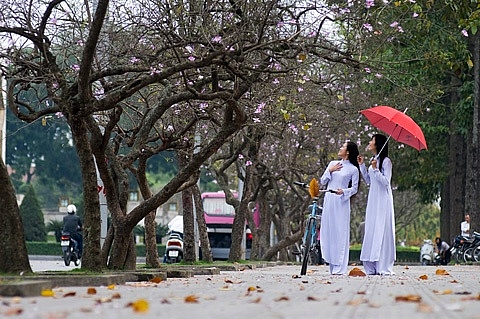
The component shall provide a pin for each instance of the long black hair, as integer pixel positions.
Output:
(381, 144)
(353, 153)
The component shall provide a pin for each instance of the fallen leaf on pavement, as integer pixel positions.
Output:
(409, 298)
(423, 277)
(47, 293)
(13, 312)
(282, 298)
(356, 302)
(441, 272)
(156, 280)
(111, 287)
(70, 294)
(445, 292)
(91, 291)
(191, 299)
(356, 272)
(141, 305)
(424, 308)
(256, 300)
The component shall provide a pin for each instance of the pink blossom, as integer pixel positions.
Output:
(368, 26)
(217, 39)
(191, 58)
(240, 156)
(260, 108)
(369, 3)
(465, 33)
(76, 67)
(415, 15)
(248, 163)
(134, 59)
(394, 24)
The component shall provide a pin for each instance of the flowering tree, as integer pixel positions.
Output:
(132, 81)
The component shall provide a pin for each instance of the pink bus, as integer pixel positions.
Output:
(219, 219)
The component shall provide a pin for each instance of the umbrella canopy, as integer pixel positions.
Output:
(397, 124)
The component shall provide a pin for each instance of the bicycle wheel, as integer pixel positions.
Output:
(306, 248)
(476, 254)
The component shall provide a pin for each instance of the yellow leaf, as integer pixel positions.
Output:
(441, 272)
(282, 98)
(111, 287)
(313, 188)
(340, 97)
(47, 293)
(470, 63)
(302, 57)
(141, 305)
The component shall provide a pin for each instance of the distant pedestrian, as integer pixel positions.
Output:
(443, 249)
(465, 226)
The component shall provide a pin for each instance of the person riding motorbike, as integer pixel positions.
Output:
(73, 225)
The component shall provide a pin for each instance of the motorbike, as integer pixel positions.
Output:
(69, 249)
(428, 256)
(174, 248)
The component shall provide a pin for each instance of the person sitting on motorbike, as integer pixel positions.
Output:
(73, 225)
(443, 249)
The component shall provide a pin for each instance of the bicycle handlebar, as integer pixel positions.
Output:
(305, 185)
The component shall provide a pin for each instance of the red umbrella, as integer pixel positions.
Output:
(397, 124)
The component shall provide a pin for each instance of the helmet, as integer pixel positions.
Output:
(71, 209)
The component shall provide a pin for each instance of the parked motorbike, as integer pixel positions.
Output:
(427, 253)
(459, 246)
(69, 249)
(174, 248)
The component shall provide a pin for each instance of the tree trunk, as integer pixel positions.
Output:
(475, 206)
(152, 259)
(263, 231)
(12, 242)
(91, 259)
(202, 226)
(189, 253)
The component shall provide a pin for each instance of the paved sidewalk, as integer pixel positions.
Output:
(271, 292)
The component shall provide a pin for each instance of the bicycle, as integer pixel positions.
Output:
(310, 248)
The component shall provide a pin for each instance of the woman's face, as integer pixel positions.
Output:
(342, 152)
(372, 146)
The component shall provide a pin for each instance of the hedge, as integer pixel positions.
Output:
(43, 248)
(53, 249)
